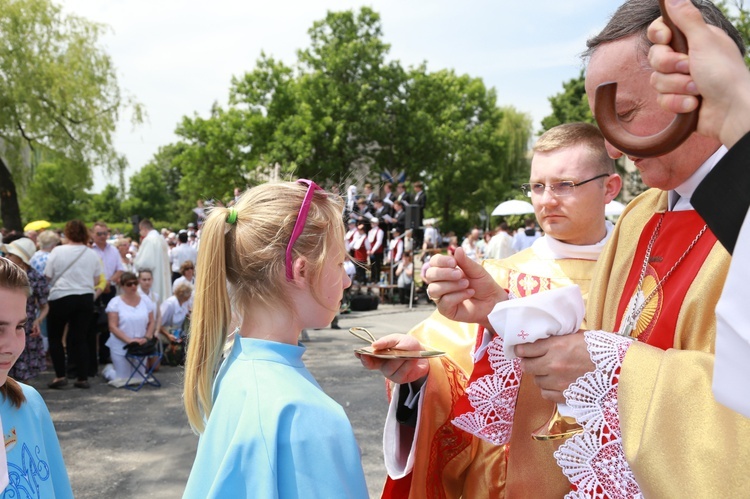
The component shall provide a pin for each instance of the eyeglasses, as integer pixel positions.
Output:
(130, 284)
(299, 225)
(564, 188)
(101, 233)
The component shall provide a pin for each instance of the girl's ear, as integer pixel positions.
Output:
(299, 271)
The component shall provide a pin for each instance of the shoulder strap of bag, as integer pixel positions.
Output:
(58, 276)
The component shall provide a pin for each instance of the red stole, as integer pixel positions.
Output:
(657, 323)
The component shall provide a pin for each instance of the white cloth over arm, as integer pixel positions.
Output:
(732, 361)
(524, 320)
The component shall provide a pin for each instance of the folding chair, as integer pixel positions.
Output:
(147, 376)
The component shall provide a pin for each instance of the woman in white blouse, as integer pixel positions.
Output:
(174, 310)
(187, 275)
(131, 319)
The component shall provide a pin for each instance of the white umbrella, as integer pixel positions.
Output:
(613, 208)
(513, 207)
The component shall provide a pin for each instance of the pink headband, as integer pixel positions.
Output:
(299, 225)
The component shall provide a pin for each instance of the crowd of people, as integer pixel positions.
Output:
(380, 234)
(621, 349)
(95, 291)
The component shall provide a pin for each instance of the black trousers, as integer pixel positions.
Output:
(361, 272)
(376, 263)
(99, 334)
(76, 312)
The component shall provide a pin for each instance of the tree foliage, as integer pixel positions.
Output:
(570, 105)
(106, 205)
(740, 17)
(57, 191)
(58, 93)
(215, 160)
(344, 113)
(148, 195)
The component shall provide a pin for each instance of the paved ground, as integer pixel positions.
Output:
(121, 444)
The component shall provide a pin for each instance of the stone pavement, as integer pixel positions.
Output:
(122, 444)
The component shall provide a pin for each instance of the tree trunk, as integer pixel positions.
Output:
(446, 202)
(11, 213)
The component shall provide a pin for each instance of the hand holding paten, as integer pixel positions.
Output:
(397, 370)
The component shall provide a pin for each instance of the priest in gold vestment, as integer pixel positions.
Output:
(651, 425)
(572, 179)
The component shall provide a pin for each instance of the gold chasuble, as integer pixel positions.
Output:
(450, 463)
(678, 441)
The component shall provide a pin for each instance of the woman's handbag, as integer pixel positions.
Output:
(142, 350)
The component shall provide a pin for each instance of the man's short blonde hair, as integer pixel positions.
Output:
(573, 134)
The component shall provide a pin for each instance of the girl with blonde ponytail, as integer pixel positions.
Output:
(267, 429)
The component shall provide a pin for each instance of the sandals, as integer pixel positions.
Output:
(57, 383)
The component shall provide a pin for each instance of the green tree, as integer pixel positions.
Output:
(58, 92)
(570, 105)
(107, 205)
(57, 192)
(347, 85)
(736, 13)
(165, 161)
(343, 113)
(329, 115)
(469, 155)
(212, 157)
(148, 197)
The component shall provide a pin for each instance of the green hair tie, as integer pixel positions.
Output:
(232, 217)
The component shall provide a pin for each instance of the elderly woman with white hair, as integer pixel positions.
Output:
(46, 241)
(122, 245)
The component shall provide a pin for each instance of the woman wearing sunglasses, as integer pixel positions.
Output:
(267, 429)
(131, 320)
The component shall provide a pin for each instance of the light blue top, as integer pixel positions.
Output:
(273, 433)
(35, 462)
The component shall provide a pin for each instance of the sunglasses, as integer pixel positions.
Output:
(101, 233)
(130, 284)
(299, 225)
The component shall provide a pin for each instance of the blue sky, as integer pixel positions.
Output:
(177, 57)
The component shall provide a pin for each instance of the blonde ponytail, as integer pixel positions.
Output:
(210, 319)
